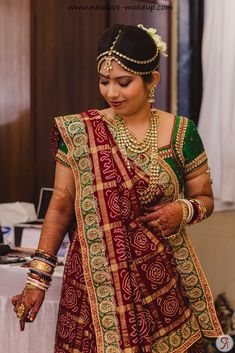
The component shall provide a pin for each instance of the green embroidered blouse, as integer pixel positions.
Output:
(184, 154)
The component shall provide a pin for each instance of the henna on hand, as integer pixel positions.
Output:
(32, 300)
(163, 219)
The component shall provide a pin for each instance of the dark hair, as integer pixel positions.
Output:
(134, 43)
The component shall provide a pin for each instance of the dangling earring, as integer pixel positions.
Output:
(151, 94)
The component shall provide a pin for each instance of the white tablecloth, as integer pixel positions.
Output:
(38, 337)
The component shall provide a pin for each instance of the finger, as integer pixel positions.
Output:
(157, 227)
(15, 299)
(18, 302)
(25, 316)
(154, 208)
(34, 312)
(16, 307)
(22, 325)
(149, 217)
(154, 224)
(167, 233)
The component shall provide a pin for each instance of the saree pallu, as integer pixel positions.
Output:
(125, 289)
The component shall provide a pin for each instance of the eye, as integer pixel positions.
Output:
(124, 84)
(104, 82)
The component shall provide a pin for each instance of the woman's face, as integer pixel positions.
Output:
(125, 92)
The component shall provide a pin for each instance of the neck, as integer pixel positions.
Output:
(140, 117)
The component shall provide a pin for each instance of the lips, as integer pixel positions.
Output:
(117, 104)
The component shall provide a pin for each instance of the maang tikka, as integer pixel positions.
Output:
(108, 59)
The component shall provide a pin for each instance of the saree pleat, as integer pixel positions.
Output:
(125, 289)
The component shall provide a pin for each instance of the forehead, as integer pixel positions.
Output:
(117, 70)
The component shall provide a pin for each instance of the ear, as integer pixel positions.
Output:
(155, 79)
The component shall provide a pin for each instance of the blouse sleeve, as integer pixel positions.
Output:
(59, 148)
(193, 149)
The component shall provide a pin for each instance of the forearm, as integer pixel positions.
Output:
(57, 221)
(198, 186)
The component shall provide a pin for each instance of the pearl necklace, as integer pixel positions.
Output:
(126, 141)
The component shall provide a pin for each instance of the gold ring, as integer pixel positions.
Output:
(20, 311)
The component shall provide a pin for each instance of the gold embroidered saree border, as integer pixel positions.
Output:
(179, 340)
(95, 264)
(196, 285)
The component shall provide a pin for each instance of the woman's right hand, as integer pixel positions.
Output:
(32, 299)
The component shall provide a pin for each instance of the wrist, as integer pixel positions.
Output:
(195, 210)
(200, 211)
(41, 270)
(186, 212)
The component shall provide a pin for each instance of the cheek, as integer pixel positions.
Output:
(138, 90)
(138, 93)
(102, 90)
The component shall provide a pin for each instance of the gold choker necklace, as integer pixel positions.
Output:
(126, 141)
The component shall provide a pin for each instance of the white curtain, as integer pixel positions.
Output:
(217, 116)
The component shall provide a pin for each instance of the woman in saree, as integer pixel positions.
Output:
(133, 177)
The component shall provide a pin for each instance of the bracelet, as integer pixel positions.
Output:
(193, 211)
(190, 210)
(42, 266)
(39, 277)
(40, 274)
(185, 214)
(38, 280)
(44, 260)
(30, 286)
(47, 256)
(41, 251)
(37, 284)
(41, 269)
(200, 211)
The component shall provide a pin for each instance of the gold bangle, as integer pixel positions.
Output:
(202, 209)
(185, 213)
(47, 254)
(42, 266)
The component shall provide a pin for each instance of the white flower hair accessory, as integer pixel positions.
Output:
(161, 45)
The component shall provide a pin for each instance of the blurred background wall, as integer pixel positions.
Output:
(16, 172)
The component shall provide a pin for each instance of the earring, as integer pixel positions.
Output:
(151, 94)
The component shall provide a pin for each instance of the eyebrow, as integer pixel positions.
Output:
(118, 77)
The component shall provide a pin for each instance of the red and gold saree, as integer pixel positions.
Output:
(126, 289)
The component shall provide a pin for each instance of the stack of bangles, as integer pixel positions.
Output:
(41, 269)
(193, 212)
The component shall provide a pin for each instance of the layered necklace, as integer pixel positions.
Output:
(127, 142)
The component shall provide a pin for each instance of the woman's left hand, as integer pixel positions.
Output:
(164, 219)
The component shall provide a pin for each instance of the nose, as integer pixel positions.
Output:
(112, 91)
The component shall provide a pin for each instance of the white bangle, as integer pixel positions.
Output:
(37, 284)
(190, 209)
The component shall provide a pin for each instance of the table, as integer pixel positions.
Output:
(38, 337)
